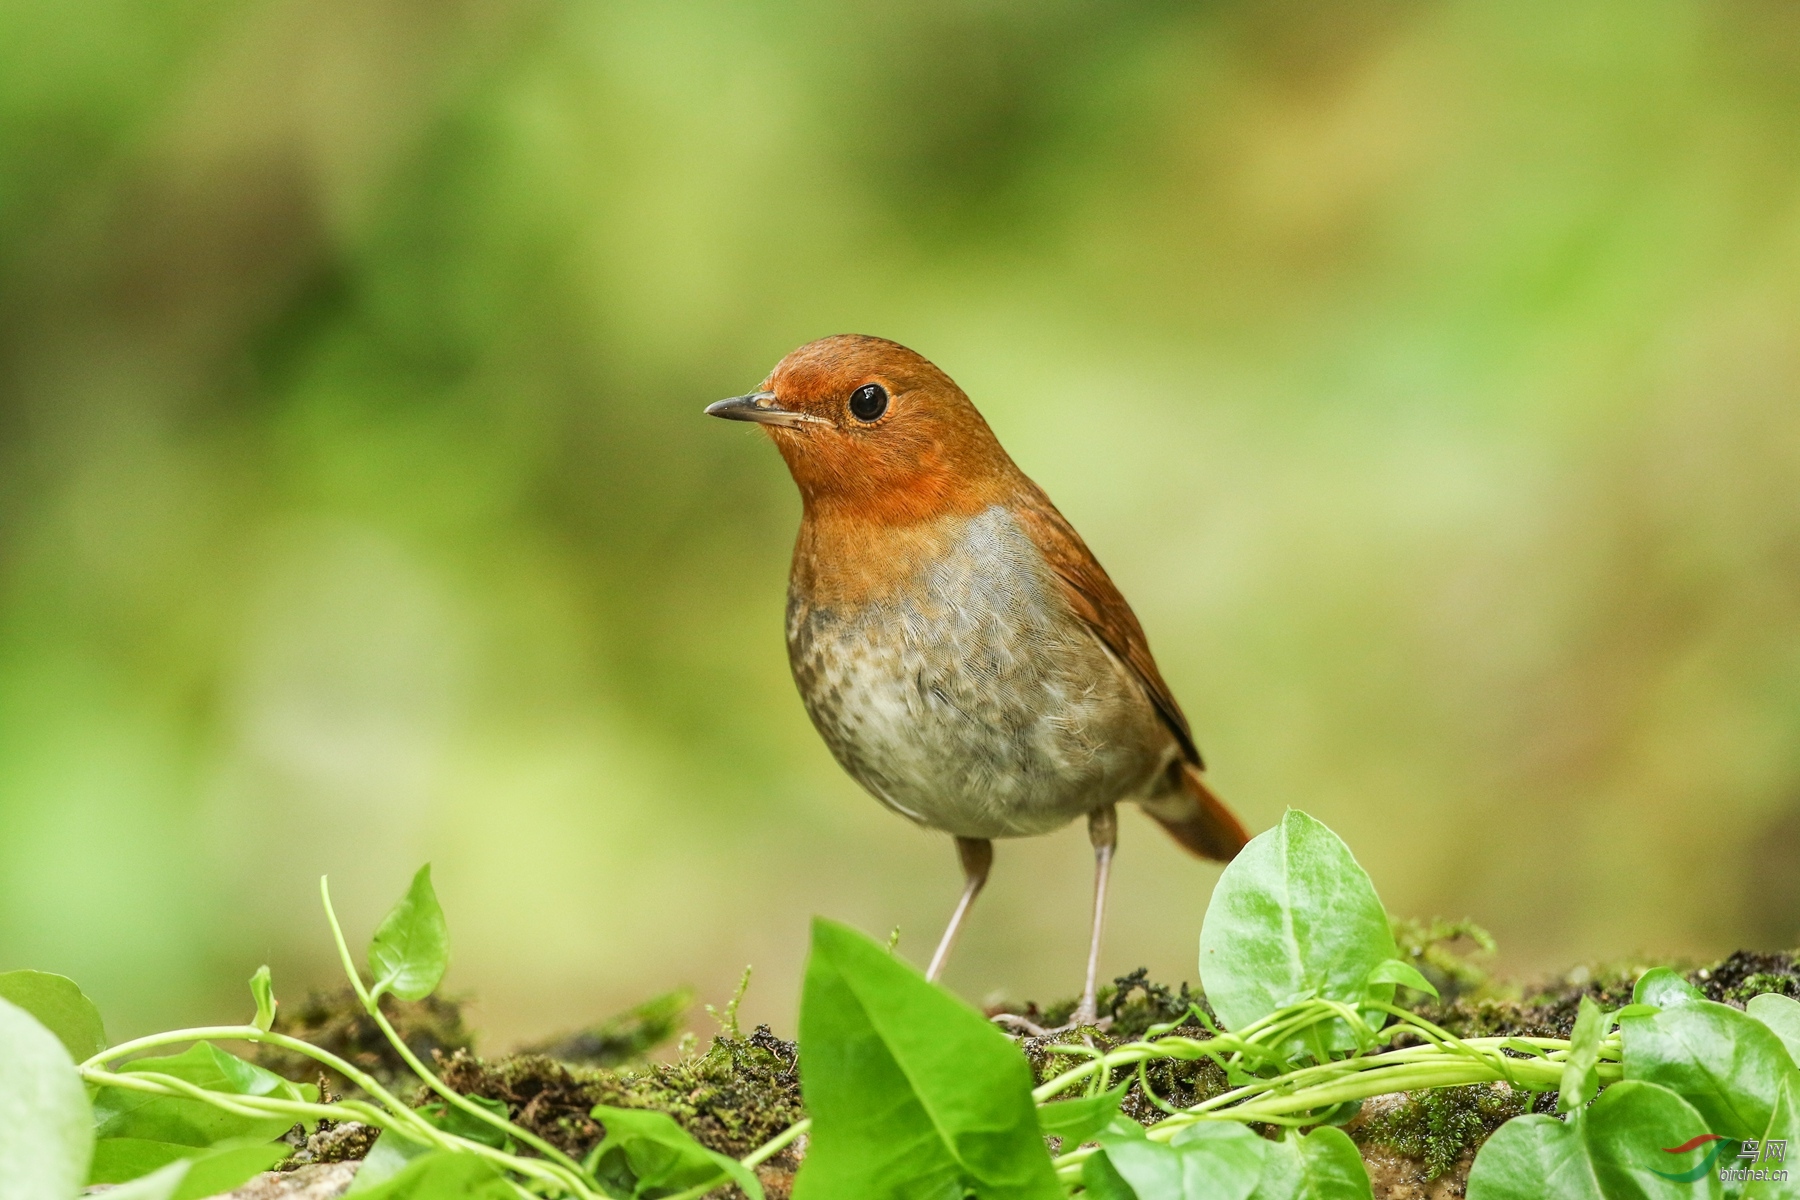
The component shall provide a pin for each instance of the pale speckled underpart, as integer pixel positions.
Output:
(973, 700)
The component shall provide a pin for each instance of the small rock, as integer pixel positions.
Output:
(322, 1181)
(336, 1142)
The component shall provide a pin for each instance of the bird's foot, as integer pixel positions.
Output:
(1025, 1028)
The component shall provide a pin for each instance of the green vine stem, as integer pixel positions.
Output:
(585, 1186)
(1297, 1096)
(250, 1033)
(777, 1144)
(159, 1084)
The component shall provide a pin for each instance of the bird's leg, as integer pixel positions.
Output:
(1103, 832)
(977, 856)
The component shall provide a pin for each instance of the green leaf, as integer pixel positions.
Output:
(1617, 1149)
(454, 1120)
(158, 1185)
(441, 1175)
(1581, 1079)
(646, 1153)
(1077, 1121)
(262, 986)
(1727, 1064)
(203, 1174)
(1784, 1127)
(1220, 1160)
(59, 1007)
(1294, 917)
(221, 1169)
(386, 1158)
(411, 949)
(912, 1092)
(1100, 1180)
(120, 1160)
(1665, 989)
(1629, 1132)
(1211, 1160)
(1782, 1016)
(46, 1131)
(1399, 971)
(122, 1113)
(1534, 1157)
(1323, 1165)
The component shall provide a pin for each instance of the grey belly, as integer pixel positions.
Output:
(976, 704)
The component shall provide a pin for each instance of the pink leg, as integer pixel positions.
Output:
(977, 856)
(1103, 832)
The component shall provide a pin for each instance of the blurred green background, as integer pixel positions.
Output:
(1426, 374)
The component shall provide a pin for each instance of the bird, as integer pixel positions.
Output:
(956, 644)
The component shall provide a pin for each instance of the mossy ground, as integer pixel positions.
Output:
(1438, 1129)
(734, 1097)
(742, 1090)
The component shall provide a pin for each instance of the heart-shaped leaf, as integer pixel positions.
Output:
(411, 949)
(1293, 917)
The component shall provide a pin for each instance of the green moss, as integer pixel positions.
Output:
(1756, 985)
(733, 1098)
(1437, 1128)
(1135, 1004)
(1130, 1005)
(1445, 953)
(1746, 974)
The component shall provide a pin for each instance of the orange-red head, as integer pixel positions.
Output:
(870, 427)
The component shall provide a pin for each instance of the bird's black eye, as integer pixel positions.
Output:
(868, 402)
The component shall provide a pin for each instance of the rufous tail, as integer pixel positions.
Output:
(1197, 818)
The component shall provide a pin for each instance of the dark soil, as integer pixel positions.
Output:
(335, 1021)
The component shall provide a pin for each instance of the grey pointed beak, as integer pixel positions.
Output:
(764, 409)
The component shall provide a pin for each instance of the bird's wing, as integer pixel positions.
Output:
(1096, 600)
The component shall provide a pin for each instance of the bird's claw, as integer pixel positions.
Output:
(1027, 1028)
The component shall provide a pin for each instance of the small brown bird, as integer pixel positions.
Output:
(955, 642)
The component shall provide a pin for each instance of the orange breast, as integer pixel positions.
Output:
(842, 561)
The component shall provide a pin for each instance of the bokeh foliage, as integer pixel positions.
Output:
(1425, 372)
